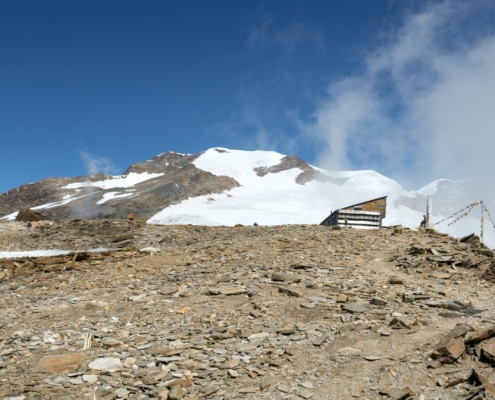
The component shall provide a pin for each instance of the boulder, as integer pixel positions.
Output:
(26, 214)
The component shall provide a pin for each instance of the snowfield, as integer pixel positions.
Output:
(276, 199)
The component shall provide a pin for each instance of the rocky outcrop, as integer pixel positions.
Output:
(314, 175)
(288, 162)
(148, 197)
(180, 180)
(26, 215)
(166, 163)
(49, 190)
(308, 173)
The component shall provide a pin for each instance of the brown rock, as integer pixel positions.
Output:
(342, 298)
(291, 292)
(402, 394)
(26, 214)
(451, 347)
(60, 363)
(488, 351)
(489, 388)
(479, 336)
(285, 277)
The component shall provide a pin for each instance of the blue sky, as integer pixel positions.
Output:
(343, 84)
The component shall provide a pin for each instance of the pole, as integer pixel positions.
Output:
(429, 207)
(482, 222)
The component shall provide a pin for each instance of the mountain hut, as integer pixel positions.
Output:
(365, 215)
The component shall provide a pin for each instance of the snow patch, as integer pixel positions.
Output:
(113, 195)
(10, 217)
(122, 181)
(46, 253)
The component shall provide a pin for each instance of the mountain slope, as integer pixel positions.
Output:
(228, 187)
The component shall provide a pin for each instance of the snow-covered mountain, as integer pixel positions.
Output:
(228, 187)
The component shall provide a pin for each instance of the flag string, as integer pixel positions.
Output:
(491, 219)
(466, 211)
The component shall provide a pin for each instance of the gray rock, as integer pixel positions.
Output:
(353, 308)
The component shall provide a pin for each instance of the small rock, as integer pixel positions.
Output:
(233, 373)
(283, 388)
(372, 358)
(451, 347)
(149, 250)
(121, 392)
(378, 301)
(291, 292)
(279, 277)
(105, 363)
(178, 392)
(447, 304)
(90, 378)
(341, 298)
(354, 308)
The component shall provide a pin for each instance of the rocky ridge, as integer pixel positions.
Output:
(283, 312)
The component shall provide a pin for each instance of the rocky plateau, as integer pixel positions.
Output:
(244, 312)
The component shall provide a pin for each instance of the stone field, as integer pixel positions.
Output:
(245, 312)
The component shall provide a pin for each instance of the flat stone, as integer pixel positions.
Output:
(121, 392)
(308, 305)
(320, 339)
(283, 388)
(291, 292)
(209, 390)
(101, 364)
(258, 335)
(279, 277)
(488, 351)
(447, 304)
(378, 301)
(249, 389)
(481, 335)
(233, 291)
(401, 394)
(233, 373)
(305, 394)
(60, 363)
(372, 358)
(111, 342)
(451, 347)
(167, 290)
(354, 308)
(90, 378)
(149, 250)
(349, 351)
(177, 392)
(158, 350)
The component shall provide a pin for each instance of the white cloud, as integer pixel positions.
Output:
(97, 165)
(423, 107)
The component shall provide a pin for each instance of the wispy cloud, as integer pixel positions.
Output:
(97, 165)
(423, 106)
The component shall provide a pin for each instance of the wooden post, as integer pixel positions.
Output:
(482, 221)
